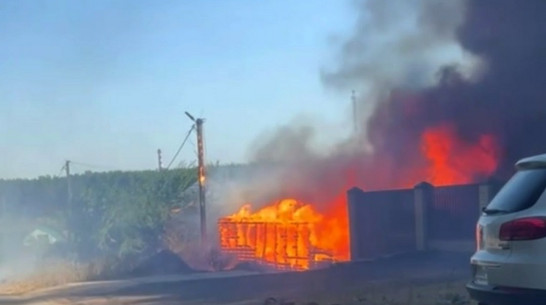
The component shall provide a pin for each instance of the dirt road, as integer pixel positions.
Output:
(252, 288)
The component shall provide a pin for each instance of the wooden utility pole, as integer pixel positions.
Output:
(3, 226)
(201, 179)
(201, 176)
(68, 186)
(159, 161)
(69, 208)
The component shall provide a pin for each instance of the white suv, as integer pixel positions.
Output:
(509, 266)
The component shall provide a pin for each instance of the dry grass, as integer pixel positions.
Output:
(185, 243)
(51, 273)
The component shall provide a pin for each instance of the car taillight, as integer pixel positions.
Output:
(523, 229)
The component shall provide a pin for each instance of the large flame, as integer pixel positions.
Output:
(287, 233)
(453, 161)
(297, 234)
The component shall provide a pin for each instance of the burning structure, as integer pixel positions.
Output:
(287, 235)
(423, 119)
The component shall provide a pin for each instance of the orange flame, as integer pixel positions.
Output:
(294, 234)
(287, 233)
(453, 161)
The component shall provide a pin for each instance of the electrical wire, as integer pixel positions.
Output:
(61, 171)
(181, 146)
(100, 167)
(90, 165)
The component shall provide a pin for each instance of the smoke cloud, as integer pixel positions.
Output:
(397, 43)
(506, 100)
(466, 74)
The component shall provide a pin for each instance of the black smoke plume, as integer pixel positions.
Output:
(478, 65)
(506, 97)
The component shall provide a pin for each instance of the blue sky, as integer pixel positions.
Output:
(107, 82)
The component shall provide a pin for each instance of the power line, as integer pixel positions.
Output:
(181, 146)
(194, 146)
(61, 171)
(191, 164)
(166, 182)
(94, 166)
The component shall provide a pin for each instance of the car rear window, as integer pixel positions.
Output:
(520, 192)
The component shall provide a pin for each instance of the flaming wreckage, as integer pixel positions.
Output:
(287, 235)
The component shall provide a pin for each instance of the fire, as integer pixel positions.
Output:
(453, 161)
(312, 226)
(288, 234)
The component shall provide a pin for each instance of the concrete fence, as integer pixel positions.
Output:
(383, 223)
